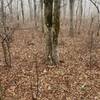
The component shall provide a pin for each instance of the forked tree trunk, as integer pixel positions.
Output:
(48, 27)
(52, 25)
(5, 43)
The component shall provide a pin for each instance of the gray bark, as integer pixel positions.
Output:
(48, 27)
(52, 26)
(35, 15)
(17, 13)
(4, 36)
(71, 6)
(30, 9)
(42, 19)
(56, 27)
(80, 15)
(22, 10)
(10, 8)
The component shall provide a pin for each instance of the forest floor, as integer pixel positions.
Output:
(76, 77)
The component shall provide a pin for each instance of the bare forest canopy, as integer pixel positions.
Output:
(89, 8)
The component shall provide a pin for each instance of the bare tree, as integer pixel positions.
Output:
(48, 27)
(4, 36)
(35, 15)
(80, 14)
(56, 28)
(52, 25)
(30, 9)
(22, 10)
(10, 8)
(64, 8)
(42, 18)
(71, 6)
(81, 7)
(17, 12)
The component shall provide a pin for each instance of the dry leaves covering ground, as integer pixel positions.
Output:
(72, 79)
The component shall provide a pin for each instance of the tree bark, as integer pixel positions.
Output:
(52, 26)
(56, 27)
(80, 15)
(35, 15)
(17, 13)
(42, 22)
(48, 27)
(71, 6)
(22, 9)
(81, 7)
(64, 9)
(30, 9)
(5, 42)
(3, 16)
(10, 8)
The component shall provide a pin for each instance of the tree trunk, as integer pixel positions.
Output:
(81, 7)
(71, 6)
(35, 15)
(5, 42)
(30, 9)
(17, 13)
(6, 51)
(64, 9)
(22, 9)
(10, 8)
(80, 15)
(3, 16)
(42, 22)
(52, 26)
(48, 26)
(56, 27)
